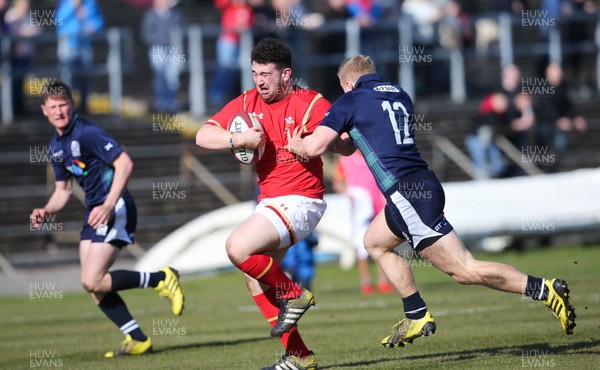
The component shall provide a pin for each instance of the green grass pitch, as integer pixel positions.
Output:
(477, 328)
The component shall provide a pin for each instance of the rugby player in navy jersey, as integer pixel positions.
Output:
(83, 151)
(378, 116)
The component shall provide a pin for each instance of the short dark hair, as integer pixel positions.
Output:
(271, 50)
(56, 89)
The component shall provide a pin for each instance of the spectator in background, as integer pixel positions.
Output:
(329, 44)
(79, 20)
(486, 28)
(581, 26)
(556, 115)
(236, 17)
(3, 10)
(353, 178)
(18, 23)
(481, 143)
(366, 13)
(158, 25)
(552, 10)
(455, 29)
(289, 20)
(264, 19)
(487, 34)
(432, 76)
(426, 14)
(520, 117)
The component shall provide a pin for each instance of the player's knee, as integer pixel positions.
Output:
(87, 285)
(373, 249)
(91, 285)
(233, 250)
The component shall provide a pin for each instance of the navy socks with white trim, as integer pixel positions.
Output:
(414, 306)
(115, 309)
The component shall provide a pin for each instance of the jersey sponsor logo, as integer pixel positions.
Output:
(57, 154)
(108, 146)
(386, 88)
(257, 115)
(75, 149)
(77, 168)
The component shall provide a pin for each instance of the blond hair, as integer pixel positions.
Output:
(354, 67)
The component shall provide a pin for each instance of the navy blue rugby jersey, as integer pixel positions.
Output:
(86, 152)
(379, 117)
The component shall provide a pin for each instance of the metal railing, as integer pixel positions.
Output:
(195, 38)
(119, 60)
(190, 165)
(444, 148)
(506, 53)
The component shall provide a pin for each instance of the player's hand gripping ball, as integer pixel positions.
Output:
(242, 122)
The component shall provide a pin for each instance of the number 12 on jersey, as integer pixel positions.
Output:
(393, 112)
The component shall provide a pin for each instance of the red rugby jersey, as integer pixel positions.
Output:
(279, 171)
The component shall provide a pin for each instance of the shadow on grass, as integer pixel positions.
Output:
(211, 344)
(581, 347)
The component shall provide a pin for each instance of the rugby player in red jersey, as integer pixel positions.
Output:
(291, 191)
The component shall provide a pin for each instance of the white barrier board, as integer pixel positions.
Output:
(545, 203)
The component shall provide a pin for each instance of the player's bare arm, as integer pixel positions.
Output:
(58, 200)
(101, 214)
(216, 137)
(312, 145)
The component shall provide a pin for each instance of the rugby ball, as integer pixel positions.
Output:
(241, 122)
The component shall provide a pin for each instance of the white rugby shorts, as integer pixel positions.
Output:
(294, 216)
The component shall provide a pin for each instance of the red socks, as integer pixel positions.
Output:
(264, 269)
(267, 303)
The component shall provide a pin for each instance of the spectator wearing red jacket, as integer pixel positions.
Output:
(236, 17)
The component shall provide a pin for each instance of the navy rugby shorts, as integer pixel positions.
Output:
(120, 230)
(415, 209)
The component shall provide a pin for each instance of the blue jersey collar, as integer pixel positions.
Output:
(367, 78)
(69, 128)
